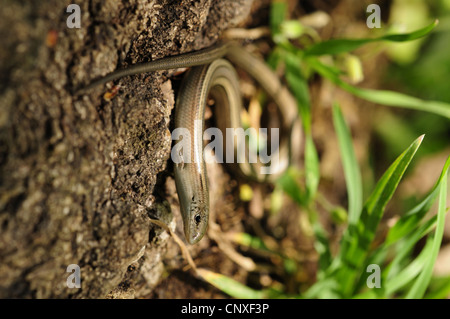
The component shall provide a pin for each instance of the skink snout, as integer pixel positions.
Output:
(196, 226)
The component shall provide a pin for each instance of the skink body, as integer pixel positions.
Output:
(212, 75)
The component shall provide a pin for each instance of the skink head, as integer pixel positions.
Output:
(195, 220)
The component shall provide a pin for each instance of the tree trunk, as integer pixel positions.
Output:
(79, 176)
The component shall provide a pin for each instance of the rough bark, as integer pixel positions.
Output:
(79, 176)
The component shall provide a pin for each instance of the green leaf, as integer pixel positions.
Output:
(322, 247)
(230, 286)
(383, 97)
(439, 288)
(421, 284)
(396, 99)
(236, 289)
(253, 242)
(336, 46)
(278, 11)
(387, 185)
(410, 272)
(403, 250)
(405, 247)
(351, 169)
(324, 289)
(274, 58)
(299, 87)
(288, 183)
(357, 238)
(407, 223)
(368, 294)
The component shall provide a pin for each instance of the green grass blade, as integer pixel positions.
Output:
(368, 294)
(384, 97)
(288, 183)
(410, 272)
(406, 246)
(403, 250)
(299, 87)
(324, 289)
(236, 289)
(387, 185)
(230, 286)
(407, 223)
(409, 229)
(357, 239)
(397, 99)
(421, 284)
(278, 11)
(336, 46)
(350, 165)
(250, 241)
(322, 247)
(439, 288)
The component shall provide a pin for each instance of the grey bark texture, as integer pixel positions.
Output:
(79, 176)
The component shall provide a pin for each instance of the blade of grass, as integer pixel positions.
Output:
(406, 246)
(408, 222)
(250, 241)
(336, 46)
(288, 183)
(299, 87)
(384, 97)
(409, 229)
(410, 272)
(236, 289)
(277, 14)
(229, 286)
(396, 99)
(403, 250)
(350, 164)
(420, 286)
(258, 246)
(368, 294)
(357, 239)
(439, 288)
(322, 247)
(324, 289)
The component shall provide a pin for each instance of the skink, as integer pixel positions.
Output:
(211, 75)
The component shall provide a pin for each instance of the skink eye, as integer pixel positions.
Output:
(197, 218)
